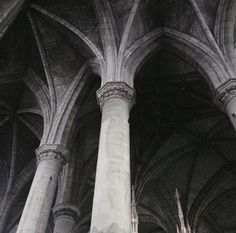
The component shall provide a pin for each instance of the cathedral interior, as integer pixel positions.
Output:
(179, 56)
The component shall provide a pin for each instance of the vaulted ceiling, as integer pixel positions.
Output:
(178, 137)
(180, 140)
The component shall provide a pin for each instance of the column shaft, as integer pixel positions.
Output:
(65, 216)
(38, 205)
(64, 225)
(111, 205)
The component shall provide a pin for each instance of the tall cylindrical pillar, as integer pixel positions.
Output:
(65, 216)
(111, 205)
(38, 205)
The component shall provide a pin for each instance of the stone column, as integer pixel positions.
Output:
(50, 160)
(225, 99)
(111, 204)
(65, 216)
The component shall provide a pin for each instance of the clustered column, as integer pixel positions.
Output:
(111, 205)
(225, 99)
(50, 160)
(65, 216)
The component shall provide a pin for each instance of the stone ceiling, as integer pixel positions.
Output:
(179, 139)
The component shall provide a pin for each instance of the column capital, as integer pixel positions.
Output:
(52, 151)
(224, 93)
(65, 210)
(116, 90)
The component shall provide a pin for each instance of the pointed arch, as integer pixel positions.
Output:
(66, 112)
(176, 154)
(224, 30)
(87, 43)
(41, 92)
(8, 12)
(212, 204)
(204, 196)
(185, 46)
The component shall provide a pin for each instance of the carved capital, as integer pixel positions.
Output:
(225, 93)
(116, 90)
(52, 151)
(65, 210)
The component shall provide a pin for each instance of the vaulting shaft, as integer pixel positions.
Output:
(111, 205)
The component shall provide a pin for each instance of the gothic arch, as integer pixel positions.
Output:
(174, 155)
(220, 198)
(40, 91)
(224, 30)
(70, 105)
(89, 46)
(205, 194)
(189, 48)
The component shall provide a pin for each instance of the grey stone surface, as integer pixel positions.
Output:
(178, 55)
(65, 216)
(40, 198)
(111, 203)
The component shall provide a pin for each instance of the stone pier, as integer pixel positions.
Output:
(111, 206)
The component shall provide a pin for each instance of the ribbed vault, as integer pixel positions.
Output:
(180, 140)
(51, 54)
